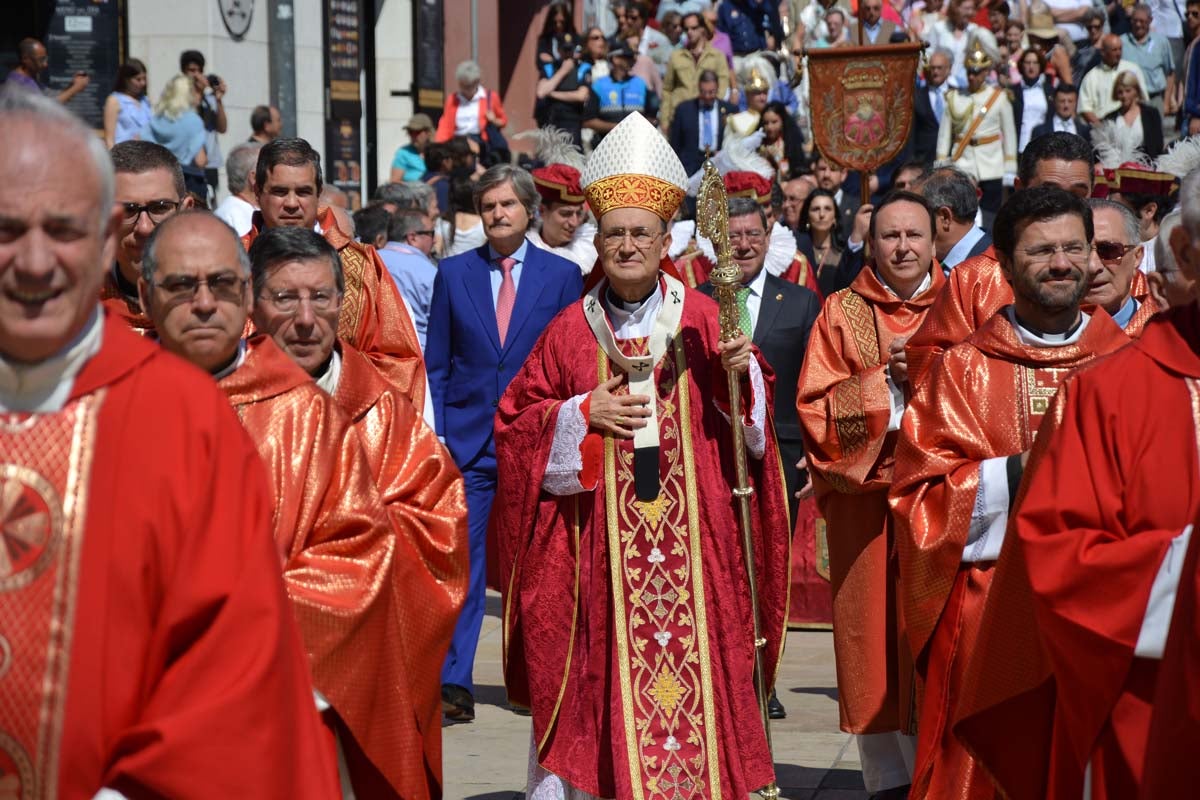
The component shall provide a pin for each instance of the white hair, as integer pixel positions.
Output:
(467, 72)
(1189, 202)
(1164, 256)
(46, 114)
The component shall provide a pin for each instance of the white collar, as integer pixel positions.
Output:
(1039, 339)
(632, 324)
(328, 380)
(760, 281)
(45, 386)
(238, 360)
(925, 284)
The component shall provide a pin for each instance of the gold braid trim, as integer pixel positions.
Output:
(862, 325)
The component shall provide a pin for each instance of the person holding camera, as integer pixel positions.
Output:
(211, 109)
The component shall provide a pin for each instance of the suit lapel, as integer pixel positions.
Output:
(769, 307)
(478, 282)
(528, 291)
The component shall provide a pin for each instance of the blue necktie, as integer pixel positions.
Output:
(706, 137)
(939, 104)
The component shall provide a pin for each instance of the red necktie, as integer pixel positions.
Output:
(506, 298)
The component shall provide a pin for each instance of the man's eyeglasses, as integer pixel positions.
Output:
(1076, 252)
(1112, 251)
(288, 301)
(423, 233)
(753, 237)
(642, 237)
(224, 286)
(157, 210)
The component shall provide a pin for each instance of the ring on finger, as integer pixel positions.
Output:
(620, 420)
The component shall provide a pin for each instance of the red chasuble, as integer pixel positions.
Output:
(627, 626)
(1053, 682)
(147, 643)
(984, 399)
(423, 491)
(372, 318)
(1171, 766)
(845, 407)
(975, 290)
(337, 548)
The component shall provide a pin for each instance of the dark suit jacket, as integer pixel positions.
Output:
(1017, 98)
(981, 244)
(468, 368)
(1081, 127)
(924, 126)
(785, 320)
(1152, 129)
(684, 133)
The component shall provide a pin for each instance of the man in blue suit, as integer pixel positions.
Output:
(698, 123)
(489, 307)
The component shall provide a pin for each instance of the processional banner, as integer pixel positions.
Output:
(862, 102)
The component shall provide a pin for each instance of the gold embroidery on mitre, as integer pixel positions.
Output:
(634, 191)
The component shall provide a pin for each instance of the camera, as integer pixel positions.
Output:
(214, 81)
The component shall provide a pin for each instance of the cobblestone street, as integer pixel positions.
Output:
(487, 759)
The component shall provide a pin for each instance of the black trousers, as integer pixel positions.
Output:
(989, 203)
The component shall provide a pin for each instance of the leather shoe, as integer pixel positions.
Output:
(895, 793)
(775, 709)
(457, 703)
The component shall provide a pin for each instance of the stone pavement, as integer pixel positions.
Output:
(487, 759)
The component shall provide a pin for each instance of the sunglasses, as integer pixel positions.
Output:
(1112, 251)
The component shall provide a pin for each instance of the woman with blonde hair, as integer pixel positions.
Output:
(1137, 123)
(177, 127)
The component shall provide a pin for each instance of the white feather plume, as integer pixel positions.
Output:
(1113, 149)
(554, 146)
(1182, 158)
(740, 154)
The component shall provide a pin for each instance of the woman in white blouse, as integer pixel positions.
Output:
(1138, 124)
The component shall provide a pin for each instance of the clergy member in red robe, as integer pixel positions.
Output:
(1080, 625)
(296, 274)
(335, 542)
(627, 625)
(149, 187)
(959, 458)
(148, 646)
(976, 289)
(851, 399)
(374, 319)
(1171, 768)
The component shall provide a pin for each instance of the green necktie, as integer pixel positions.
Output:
(744, 321)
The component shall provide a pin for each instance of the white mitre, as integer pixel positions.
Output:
(634, 167)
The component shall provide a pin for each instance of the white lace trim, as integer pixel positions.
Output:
(544, 785)
(756, 432)
(566, 462)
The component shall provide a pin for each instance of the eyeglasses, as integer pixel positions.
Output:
(224, 286)
(754, 237)
(157, 210)
(1112, 251)
(422, 233)
(288, 301)
(595, 37)
(642, 237)
(1076, 252)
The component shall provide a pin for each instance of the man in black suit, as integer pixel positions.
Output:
(929, 103)
(778, 316)
(1064, 118)
(954, 197)
(781, 316)
(698, 123)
